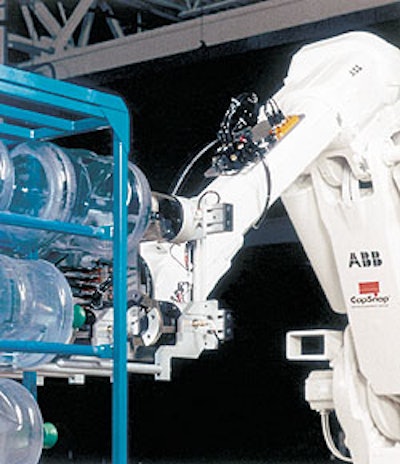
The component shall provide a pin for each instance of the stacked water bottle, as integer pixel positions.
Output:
(44, 181)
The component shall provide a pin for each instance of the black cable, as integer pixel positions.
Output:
(275, 114)
(268, 199)
(189, 166)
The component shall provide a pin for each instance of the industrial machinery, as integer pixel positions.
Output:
(328, 144)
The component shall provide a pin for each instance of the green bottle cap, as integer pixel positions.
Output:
(79, 317)
(50, 435)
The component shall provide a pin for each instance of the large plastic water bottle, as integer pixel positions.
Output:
(44, 187)
(6, 177)
(21, 425)
(35, 304)
(99, 198)
(74, 186)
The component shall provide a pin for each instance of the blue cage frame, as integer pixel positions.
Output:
(34, 107)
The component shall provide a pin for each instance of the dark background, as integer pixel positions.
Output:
(244, 401)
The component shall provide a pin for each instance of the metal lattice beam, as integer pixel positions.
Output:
(66, 32)
(81, 37)
(42, 29)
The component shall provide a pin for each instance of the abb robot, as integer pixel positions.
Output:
(328, 144)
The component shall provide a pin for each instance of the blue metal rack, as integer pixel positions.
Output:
(34, 107)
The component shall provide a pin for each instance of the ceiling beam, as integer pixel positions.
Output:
(30, 46)
(210, 8)
(65, 34)
(233, 25)
(26, 14)
(44, 15)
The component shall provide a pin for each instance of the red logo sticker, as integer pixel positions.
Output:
(368, 287)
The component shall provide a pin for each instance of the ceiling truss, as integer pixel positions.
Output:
(68, 38)
(37, 27)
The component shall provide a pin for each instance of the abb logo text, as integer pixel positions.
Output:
(365, 259)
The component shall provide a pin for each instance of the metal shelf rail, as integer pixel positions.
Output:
(34, 107)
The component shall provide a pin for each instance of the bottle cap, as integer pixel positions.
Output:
(50, 435)
(79, 317)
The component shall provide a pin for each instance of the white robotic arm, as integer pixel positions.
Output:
(351, 195)
(328, 144)
(334, 90)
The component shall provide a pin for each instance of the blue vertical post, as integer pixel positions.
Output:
(120, 376)
(29, 380)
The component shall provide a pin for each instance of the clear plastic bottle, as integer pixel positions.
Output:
(36, 305)
(21, 425)
(99, 200)
(74, 186)
(6, 177)
(45, 187)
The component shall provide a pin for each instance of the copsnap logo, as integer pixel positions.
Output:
(368, 287)
(369, 295)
